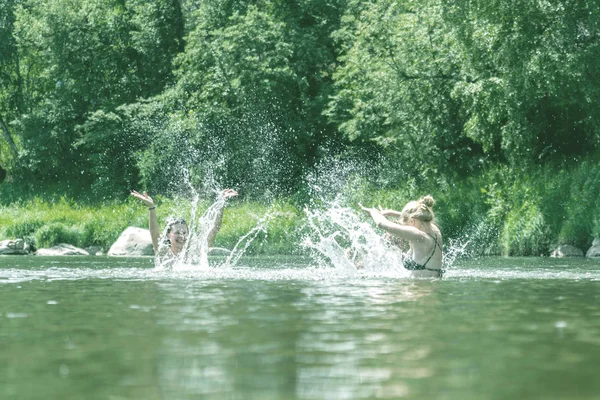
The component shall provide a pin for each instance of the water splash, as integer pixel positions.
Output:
(237, 252)
(195, 252)
(339, 236)
(349, 244)
(454, 250)
(194, 255)
(482, 238)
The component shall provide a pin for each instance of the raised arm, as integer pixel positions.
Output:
(407, 232)
(152, 220)
(389, 212)
(227, 193)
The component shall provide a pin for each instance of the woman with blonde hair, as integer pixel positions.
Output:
(416, 225)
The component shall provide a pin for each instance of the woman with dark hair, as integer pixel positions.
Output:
(176, 231)
(417, 226)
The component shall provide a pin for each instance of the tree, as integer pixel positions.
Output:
(534, 70)
(251, 86)
(395, 86)
(81, 58)
(11, 87)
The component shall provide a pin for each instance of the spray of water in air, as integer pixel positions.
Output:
(194, 255)
(342, 237)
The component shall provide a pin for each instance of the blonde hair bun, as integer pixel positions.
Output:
(428, 201)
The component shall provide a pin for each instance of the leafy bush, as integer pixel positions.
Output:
(101, 231)
(23, 229)
(581, 204)
(55, 233)
(525, 232)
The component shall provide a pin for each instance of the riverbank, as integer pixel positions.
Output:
(500, 211)
(43, 224)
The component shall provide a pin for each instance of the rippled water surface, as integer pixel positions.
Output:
(280, 328)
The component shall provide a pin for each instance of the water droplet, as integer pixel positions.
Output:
(63, 370)
(16, 315)
(560, 324)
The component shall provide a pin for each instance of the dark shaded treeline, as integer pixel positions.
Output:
(475, 98)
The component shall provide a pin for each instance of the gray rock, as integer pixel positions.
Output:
(132, 242)
(594, 251)
(94, 250)
(566, 250)
(16, 246)
(62, 249)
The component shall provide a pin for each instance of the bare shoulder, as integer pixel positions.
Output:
(438, 234)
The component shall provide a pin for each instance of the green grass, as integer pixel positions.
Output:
(44, 224)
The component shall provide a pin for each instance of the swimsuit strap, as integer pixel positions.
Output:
(434, 237)
(433, 252)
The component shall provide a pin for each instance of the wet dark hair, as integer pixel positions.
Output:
(174, 221)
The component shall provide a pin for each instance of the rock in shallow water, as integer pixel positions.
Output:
(62, 249)
(566, 250)
(132, 242)
(16, 246)
(594, 251)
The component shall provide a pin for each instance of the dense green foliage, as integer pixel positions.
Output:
(489, 105)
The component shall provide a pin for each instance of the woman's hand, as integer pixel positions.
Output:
(147, 200)
(227, 193)
(377, 216)
(367, 209)
(152, 221)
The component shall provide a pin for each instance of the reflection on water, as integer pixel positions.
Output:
(279, 339)
(100, 328)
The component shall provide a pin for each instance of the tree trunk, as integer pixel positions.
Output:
(9, 139)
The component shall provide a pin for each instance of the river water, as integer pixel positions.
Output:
(282, 328)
